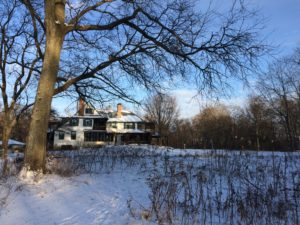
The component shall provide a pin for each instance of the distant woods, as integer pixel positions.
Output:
(257, 126)
(269, 119)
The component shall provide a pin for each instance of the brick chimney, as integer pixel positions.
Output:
(80, 107)
(119, 110)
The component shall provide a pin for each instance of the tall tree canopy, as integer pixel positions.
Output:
(95, 47)
(280, 88)
(162, 109)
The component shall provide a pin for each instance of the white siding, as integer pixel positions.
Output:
(67, 129)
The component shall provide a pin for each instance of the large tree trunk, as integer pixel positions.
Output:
(6, 132)
(5, 138)
(287, 118)
(36, 141)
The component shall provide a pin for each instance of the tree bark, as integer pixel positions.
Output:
(257, 137)
(5, 138)
(6, 132)
(35, 154)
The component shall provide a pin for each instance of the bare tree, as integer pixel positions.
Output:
(184, 136)
(162, 109)
(256, 113)
(279, 87)
(18, 64)
(213, 127)
(95, 46)
(261, 123)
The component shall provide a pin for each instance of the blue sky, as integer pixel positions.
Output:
(282, 29)
(283, 23)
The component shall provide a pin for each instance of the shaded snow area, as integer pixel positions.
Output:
(86, 199)
(150, 185)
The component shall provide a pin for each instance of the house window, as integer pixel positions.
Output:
(61, 135)
(74, 122)
(128, 125)
(88, 111)
(97, 136)
(141, 126)
(87, 122)
(73, 135)
(112, 125)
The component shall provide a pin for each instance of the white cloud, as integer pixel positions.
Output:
(188, 102)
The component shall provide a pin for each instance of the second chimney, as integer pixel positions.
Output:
(119, 110)
(81, 106)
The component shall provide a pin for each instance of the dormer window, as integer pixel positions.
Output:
(88, 111)
(141, 126)
(112, 125)
(128, 125)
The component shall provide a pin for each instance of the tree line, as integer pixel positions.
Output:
(268, 120)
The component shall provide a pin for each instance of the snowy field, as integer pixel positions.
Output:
(149, 185)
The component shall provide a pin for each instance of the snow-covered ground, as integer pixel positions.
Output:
(148, 185)
(85, 199)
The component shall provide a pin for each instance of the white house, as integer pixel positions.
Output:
(92, 127)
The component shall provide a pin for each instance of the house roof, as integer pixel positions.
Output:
(111, 115)
(13, 142)
(126, 118)
(87, 116)
(126, 131)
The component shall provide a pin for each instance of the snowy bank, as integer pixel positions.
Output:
(148, 184)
